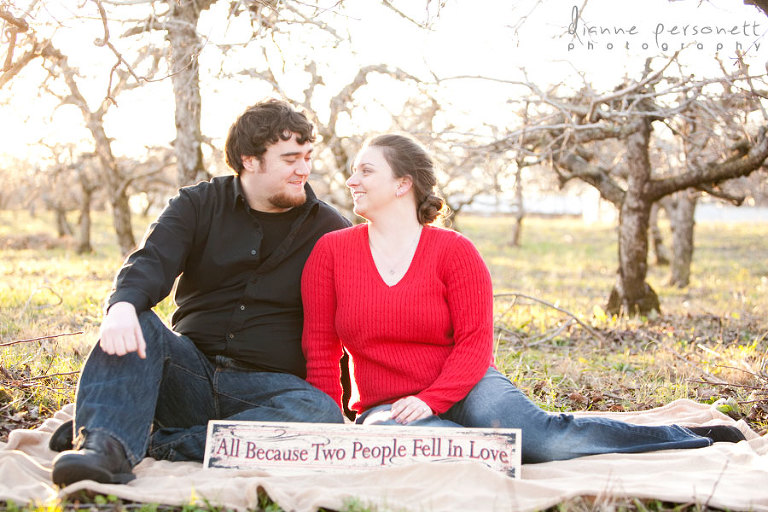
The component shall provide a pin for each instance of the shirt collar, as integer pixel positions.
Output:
(239, 197)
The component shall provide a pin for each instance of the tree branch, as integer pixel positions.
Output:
(19, 24)
(345, 95)
(734, 199)
(714, 172)
(400, 13)
(9, 71)
(120, 59)
(595, 175)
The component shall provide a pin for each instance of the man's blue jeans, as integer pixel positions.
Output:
(496, 402)
(160, 406)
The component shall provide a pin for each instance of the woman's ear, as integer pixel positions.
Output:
(406, 182)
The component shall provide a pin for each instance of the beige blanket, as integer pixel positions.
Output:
(725, 475)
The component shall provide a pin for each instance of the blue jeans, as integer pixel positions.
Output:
(160, 406)
(495, 402)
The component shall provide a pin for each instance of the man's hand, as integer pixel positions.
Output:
(409, 409)
(120, 331)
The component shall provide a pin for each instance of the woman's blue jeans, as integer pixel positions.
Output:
(160, 406)
(495, 402)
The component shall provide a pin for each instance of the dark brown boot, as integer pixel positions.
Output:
(719, 433)
(97, 456)
(61, 439)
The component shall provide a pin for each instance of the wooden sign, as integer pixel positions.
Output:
(295, 447)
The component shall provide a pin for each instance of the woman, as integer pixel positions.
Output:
(413, 306)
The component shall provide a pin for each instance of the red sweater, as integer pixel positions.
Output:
(430, 335)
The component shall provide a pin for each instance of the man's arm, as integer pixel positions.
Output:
(120, 331)
(147, 276)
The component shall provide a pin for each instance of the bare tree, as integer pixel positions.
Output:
(568, 131)
(699, 143)
(154, 177)
(117, 181)
(61, 72)
(179, 20)
(465, 170)
(54, 185)
(87, 174)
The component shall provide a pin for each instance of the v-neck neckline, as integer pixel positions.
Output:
(372, 261)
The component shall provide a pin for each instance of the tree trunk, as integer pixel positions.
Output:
(682, 220)
(517, 227)
(84, 223)
(121, 219)
(657, 241)
(632, 295)
(62, 225)
(185, 48)
(116, 188)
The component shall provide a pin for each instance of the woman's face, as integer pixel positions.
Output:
(373, 184)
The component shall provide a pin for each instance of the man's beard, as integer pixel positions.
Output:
(283, 200)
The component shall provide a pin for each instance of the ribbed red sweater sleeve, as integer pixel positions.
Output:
(430, 335)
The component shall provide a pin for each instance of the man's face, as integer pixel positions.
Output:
(276, 182)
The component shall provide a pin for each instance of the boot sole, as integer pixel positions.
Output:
(68, 472)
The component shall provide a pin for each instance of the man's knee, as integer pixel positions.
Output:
(161, 340)
(325, 409)
(152, 328)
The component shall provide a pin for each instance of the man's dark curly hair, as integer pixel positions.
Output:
(262, 125)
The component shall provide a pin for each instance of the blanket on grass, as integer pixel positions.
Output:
(724, 475)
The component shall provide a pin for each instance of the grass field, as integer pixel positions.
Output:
(709, 343)
(554, 340)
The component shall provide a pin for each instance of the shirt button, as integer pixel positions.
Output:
(253, 252)
(242, 307)
(231, 336)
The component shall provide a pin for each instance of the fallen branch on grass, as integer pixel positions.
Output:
(600, 337)
(759, 376)
(47, 376)
(551, 334)
(759, 389)
(15, 342)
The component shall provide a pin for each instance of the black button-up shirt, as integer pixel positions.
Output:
(231, 299)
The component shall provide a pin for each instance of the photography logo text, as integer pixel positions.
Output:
(663, 36)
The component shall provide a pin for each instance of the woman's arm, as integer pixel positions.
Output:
(321, 344)
(469, 296)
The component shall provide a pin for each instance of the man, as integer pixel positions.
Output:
(238, 245)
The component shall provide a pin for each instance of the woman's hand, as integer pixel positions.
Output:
(410, 409)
